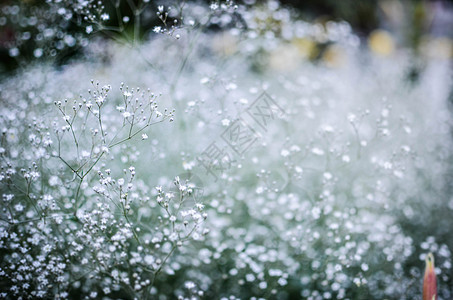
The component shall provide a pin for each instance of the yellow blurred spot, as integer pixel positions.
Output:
(381, 42)
(334, 56)
(306, 47)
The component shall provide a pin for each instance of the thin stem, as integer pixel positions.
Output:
(100, 124)
(134, 134)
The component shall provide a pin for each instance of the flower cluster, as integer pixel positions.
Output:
(338, 197)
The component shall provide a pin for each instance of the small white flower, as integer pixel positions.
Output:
(190, 285)
(53, 180)
(327, 128)
(243, 101)
(317, 151)
(144, 136)
(225, 122)
(327, 176)
(231, 86)
(284, 153)
(13, 52)
(149, 259)
(19, 207)
(352, 118)
(105, 17)
(100, 100)
(188, 165)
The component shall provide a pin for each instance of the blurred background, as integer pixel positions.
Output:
(33, 29)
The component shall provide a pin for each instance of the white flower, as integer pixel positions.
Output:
(243, 101)
(149, 259)
(105, 17)
(144, 136)
(231, 86)
(317, 151)
(352, 118)
(190, 285)
(188, 165)
(53, 180)
(284, 153)
(100, 100)
(327, 175)
(294, 148)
